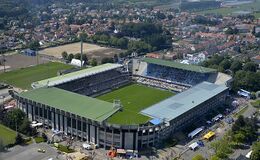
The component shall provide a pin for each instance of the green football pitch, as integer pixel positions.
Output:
(134, 98)
(22, 78)
(7, 136)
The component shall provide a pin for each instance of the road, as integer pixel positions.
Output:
(30, 152)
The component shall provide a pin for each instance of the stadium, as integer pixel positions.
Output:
(131, 106)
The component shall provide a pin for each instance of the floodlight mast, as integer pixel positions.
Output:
(81, 51)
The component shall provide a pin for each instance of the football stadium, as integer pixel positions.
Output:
(131, 106)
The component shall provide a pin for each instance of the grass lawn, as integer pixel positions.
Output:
(39, 139)
(134, 98)
(22, 78)
(256, 103)
(7, 135)
(65, 149)
(255, 6)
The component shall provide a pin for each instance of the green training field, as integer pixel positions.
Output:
(252, 7)
(134, 98)
(7, 135)
(22, 78)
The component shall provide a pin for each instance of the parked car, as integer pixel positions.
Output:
(41, 150)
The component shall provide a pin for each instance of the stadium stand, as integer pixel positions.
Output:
(90, 81)
(160, 83)
(177, 72)
(98, 83)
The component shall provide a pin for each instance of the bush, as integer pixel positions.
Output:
(256, 104)
(39, 139)
(44, 136)
(198, 157)
(28, 141)
(170, 142)
(19, 139)
(65, 149)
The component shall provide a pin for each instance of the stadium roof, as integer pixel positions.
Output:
(75, 75)
(178, 65)
(177, 105)
(83, 106)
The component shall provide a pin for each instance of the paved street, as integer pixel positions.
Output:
(30, 153)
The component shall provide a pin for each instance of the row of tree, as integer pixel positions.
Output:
(93, 61)
(147, 44)
(243, 131)
(199, 19)
(17, 120)
(244, 72)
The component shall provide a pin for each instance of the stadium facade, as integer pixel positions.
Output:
(66, 103)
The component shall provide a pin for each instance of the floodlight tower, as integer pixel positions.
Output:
(81, 51)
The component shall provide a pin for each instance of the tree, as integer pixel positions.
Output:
(170, 17)
(236, 66)
(85, 58)
(198, 157)
(77, 56)
(107, 60)
(69, 19)
(19, 139)
(70, 57)
(239, 137)
(225, 64)
(122, 43)
(160, 15)
(83, 36)
(231, 30)
(240, 122)
(34, 45)
(255, 151)
(214, 157)
(93, 62)
(2, 147)
(115, 58)
(14, 118)
(221, 148)
(250, 66)
(246, 80)
(44, 137)
(64, 55)
(26, 128)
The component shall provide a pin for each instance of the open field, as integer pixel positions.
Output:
(22, 78)
(134, 98)
(7, 135)
(15, 61)
(92, 50)
(250, 7)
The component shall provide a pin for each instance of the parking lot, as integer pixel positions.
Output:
(29, 152)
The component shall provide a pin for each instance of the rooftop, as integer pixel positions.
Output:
(84, 106)
(75, 75)
(188, 67)
(179, 104)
